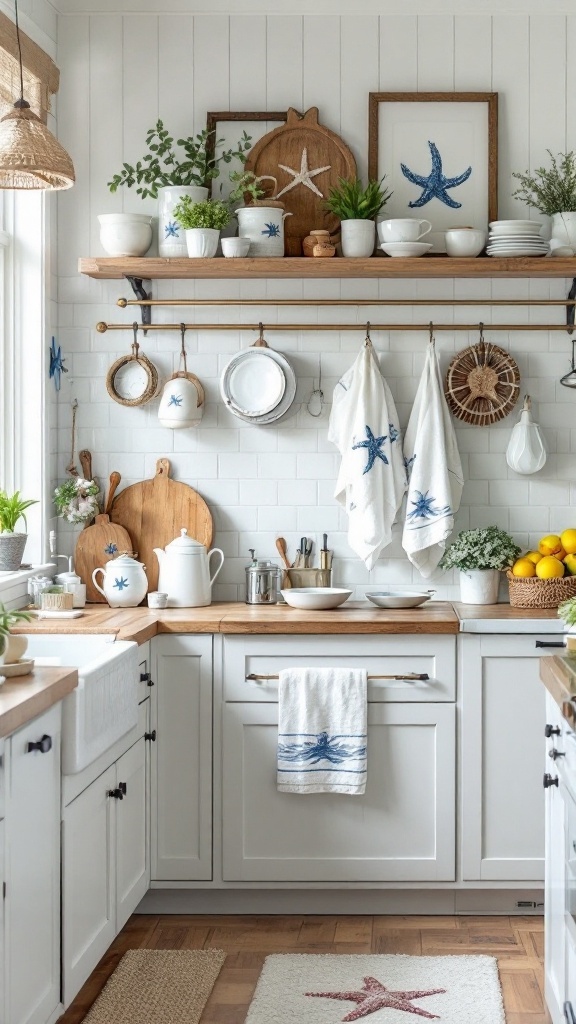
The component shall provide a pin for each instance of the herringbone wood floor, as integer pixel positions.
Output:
(517, 942)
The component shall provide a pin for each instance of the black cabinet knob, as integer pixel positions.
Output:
(150, 735)
(551, 730)
(555, 754)
(145, 677)
(116, 794)
(43, 745)
(123, 787)
(550, 780)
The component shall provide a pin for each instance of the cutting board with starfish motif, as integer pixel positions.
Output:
(306, 158)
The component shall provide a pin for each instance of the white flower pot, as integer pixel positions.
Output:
(358, 237)
(202, 243)
(264, 226)
(564, 228)
(125, 234)
(171, 237)
(479, 586)
(11, 551)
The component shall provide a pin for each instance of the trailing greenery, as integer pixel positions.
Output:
(77, 500)
(247, 183)
(550, 190)
(166, 165)
(567, 611)
(12, 509)
(349, 201)
(212, 213)
(485, 548)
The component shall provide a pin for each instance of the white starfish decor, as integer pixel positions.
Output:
(303, 176)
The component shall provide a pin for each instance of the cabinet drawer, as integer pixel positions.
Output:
(379, 655)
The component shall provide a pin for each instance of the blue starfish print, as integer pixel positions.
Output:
(56, 364)
(175, 400)
(110, 549)
(323, 748)
(171, 230)
(435, 185)
(394, 433)
(424, 508)
(271, 230)
(408, 463)
(121, 583)
(373, 444)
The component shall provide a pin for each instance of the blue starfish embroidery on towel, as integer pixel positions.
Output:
(436, 184)
(408, 464)
(394, 433)
(171, 230)
(271, 230)
(424, 508)
(322, 748)
(175, 400)
(121, 583)
(110, 549)
(373, 445)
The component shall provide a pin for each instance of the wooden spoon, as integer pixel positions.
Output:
(86, 462)
(115, 479)
(281, 548)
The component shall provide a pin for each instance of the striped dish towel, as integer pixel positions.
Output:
(322, 723)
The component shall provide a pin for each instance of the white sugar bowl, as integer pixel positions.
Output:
(124, 582)
(182, 402)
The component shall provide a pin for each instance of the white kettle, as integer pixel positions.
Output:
(185, 572)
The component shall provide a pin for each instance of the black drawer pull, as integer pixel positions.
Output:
(116, 794)
(145, 677)
(551, 730)
(43, 745)
(550, 643)
(550, 781)
(123, 787)
(555, 754)
(150, 736)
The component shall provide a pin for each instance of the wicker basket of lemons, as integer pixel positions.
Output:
(544, 578)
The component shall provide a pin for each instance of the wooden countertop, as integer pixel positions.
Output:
(558, 674)
(501, 611)
(25, 697)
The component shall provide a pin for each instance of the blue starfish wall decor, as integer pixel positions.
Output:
(271, 230)
(56, 364)
(373, 445)
(436, 184)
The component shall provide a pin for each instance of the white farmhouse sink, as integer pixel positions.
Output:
(104, 706)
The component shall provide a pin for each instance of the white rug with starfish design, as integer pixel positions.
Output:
(307, 988)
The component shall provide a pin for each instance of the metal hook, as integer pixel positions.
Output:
(368, 340)
(431, 338)
(316, 400)
(481, 329)
(260, 340)
(135, 345)
(183, 348)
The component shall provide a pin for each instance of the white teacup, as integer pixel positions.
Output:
(157, 599)
(235, 246)
(465, 241)
(403, 229)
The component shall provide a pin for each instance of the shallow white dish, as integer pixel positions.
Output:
(58, 615)
(406, 248)
(395, 599)
(18, 668)
(515, 227)
(315, 598)
(255, 385)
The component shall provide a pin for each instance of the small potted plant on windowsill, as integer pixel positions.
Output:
(202, 223)
(357, 208)
(11, 647)
(480, 555)
(12, 544)
(553, 191)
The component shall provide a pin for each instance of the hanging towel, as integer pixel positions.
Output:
(322, 718)
(434, 469)
(372, 478)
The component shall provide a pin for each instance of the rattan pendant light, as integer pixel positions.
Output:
(30, 156)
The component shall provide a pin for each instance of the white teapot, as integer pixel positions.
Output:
(125, 582)
(185, 572)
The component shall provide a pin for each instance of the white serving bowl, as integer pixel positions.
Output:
(396, 599)
(406, 248)
(315, 598)
(234, 247)
(125, 234)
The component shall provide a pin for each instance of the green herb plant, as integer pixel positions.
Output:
(191, 161)
(550, 190)
(349, 201)
(212, 213)
(12, 509)
(485, 548)
(567, 611)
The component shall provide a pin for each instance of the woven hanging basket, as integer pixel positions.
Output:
(536, 593)
(482, 384)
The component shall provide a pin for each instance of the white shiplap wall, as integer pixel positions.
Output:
(118, 74)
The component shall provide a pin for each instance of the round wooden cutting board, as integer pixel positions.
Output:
(306, 159)
(154, 511)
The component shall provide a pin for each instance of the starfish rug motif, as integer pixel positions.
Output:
(375, 996)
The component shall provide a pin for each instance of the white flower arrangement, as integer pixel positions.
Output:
(77, 500)
(484, 548)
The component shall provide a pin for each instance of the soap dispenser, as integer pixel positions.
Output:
(72, 583)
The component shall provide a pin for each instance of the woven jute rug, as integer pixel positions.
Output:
(306, 988)
(158, 986)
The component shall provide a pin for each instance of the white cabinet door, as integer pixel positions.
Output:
(502, 799)
(88, 875)
(555, 882)
(182, 759)
(132, 857)
(401, 829)
(33, 871)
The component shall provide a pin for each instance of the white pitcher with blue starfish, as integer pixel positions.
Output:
(124, 584)
(264, 226)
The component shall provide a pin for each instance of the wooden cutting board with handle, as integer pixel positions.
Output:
(155, 511)
(98, 543)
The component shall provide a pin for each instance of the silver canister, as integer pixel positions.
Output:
(263, 580)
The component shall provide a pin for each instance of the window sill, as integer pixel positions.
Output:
(13, 585)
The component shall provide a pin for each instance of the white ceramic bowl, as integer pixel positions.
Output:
(406, 248)
(125, 234)
(466, 242)
(396, 599)
(235, 246)
(315, 598)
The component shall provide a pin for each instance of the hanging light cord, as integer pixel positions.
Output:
(21, 103)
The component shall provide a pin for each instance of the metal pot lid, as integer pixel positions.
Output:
(186, 545)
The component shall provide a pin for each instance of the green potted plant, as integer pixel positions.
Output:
(480, 555)
(357, 209)
(202, 223)
(552, 190)
(11, 648)
(171, 169)
(567, 612)
(12, 544)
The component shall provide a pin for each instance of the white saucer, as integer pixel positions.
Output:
(516, 227)
(406, 248)
(18, 668)
(517, 252)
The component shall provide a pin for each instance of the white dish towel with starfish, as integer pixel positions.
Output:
(435, 478)
(365, 428)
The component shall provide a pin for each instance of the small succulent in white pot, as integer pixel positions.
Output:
(202, 223)
(480, 555)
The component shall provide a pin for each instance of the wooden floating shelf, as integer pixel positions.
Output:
(154, 268)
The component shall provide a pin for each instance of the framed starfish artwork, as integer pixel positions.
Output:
(439, 152)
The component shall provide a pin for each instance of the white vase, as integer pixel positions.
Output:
(202, 243)
(358, 237)
(125, 234)
(564, 228)
(171, 237)
(264, 226)
(479, 586)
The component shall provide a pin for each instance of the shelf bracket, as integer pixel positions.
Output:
(137, 285)
(570, 309)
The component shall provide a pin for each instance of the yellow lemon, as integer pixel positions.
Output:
(568, 541)
(524, 567)
(549, 567)
(550, 544)
(570, 563)
(534, 556)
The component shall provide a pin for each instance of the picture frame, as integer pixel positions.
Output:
(439, 152)
(222, 124)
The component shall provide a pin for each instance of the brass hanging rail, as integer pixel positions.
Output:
(102, 327)
(345, 302)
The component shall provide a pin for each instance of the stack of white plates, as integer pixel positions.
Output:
(516, 238)
(258, 385)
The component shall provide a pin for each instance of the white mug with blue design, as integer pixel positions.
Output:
(182, 402)
(264, 226)
(124, 582)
